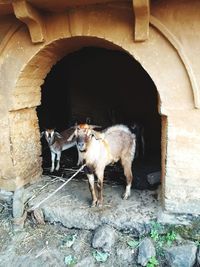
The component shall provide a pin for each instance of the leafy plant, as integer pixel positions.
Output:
(197, 243)
(154, 234)
(133, 243)
(100, 256)
(162, 239)
(170, 237)
(152, 262)
(70, 260)
(155, 225)
(69, 240)
(155, 228)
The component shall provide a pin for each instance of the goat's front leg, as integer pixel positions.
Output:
(100, 176)
(80, 158)
(92, 189)
(58, 154)
(53, 155)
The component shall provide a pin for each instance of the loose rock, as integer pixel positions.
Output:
(181, 256)
(104, 238)
(154, 178)
(125, 255)
(146, 251)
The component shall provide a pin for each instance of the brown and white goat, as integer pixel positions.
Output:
(114, 116)
(98, 149)
(58, 142)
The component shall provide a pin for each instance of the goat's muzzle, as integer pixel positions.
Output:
(81, 146)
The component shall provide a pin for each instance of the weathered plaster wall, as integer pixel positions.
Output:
(182, 20)
(7, 174)
(19, 143)
(24, 66)
(182, 180)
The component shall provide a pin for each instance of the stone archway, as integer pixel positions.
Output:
(26, 65)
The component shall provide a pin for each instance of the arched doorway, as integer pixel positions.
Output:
(109, 87)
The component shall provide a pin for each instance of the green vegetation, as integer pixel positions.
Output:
(197, 243)
(69, 240)
(161, 238)
(70, 260)
(170, 238)
(152, 262)
(133, 243)
(100, 256)
(154, 235)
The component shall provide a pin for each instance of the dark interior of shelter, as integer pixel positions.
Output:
(108, 87)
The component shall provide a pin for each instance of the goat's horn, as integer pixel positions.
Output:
(94, 126)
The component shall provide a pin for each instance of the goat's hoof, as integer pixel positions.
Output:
(94, 203)
(99, 203)
(125, 196)
(51, 170)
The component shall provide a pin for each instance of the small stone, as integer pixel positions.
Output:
(181, 256)
(146, 251)
(39, 216)
(104, 237)
(125, 255)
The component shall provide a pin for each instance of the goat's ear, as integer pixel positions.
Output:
(95, 126)
(95, 134)
(58, 135)
(72, 136)
(42, 134)
(88, 120)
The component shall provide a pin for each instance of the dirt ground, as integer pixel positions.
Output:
(66, 237)
(65, 231)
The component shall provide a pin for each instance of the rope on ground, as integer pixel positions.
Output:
(54, 192)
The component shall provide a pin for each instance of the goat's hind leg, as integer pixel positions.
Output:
(53, 156)
(129, 178)
(100, 177)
